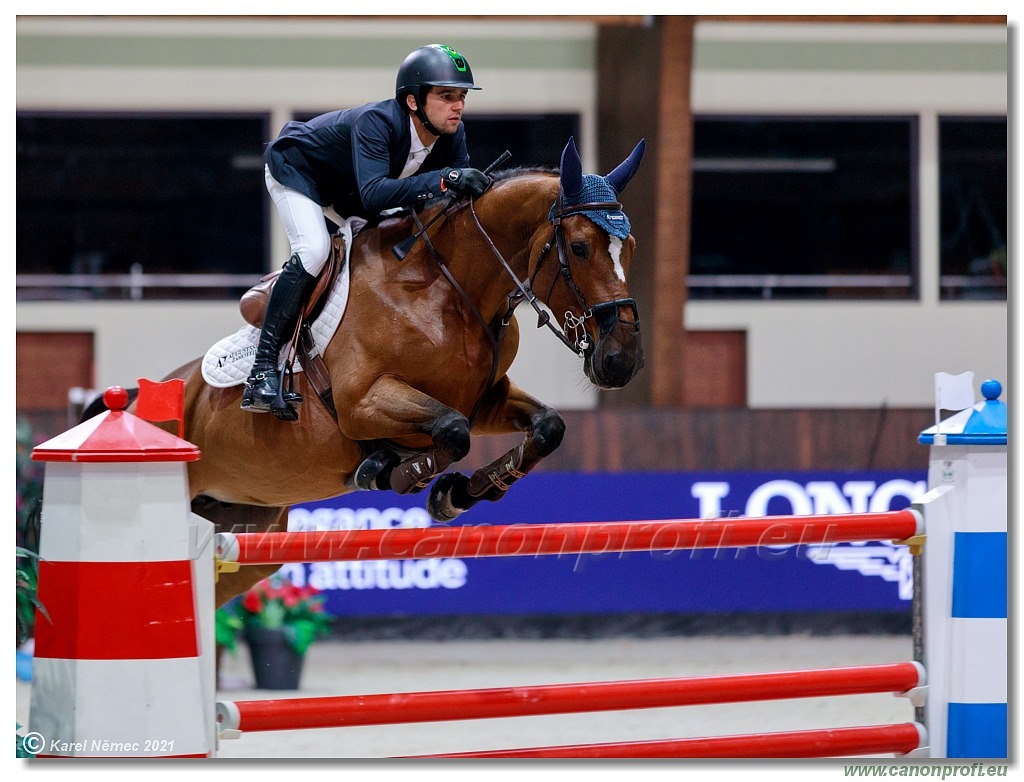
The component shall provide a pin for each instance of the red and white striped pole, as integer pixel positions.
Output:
(899, 739)
(123, 666)
(517, 540)
(576, 698)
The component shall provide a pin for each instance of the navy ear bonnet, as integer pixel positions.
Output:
(597, 190)
(580, 189)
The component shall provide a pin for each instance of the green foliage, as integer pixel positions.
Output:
(29, 507)
(29, 483)
(26, 600)
(20, 750)
(227, 627)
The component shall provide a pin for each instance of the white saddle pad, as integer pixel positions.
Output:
(229, 362)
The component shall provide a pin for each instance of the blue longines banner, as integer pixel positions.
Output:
(870, 576)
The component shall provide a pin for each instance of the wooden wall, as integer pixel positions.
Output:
(643, 76)
(47, 364)
(712, 439)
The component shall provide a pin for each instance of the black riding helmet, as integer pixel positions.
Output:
(435, 65)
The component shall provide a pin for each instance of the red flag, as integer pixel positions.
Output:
(162, 402)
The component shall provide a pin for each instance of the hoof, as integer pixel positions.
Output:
(371, 467)
(441, 505)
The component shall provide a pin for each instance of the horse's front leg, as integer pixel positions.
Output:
(506, 408)
(393, 410)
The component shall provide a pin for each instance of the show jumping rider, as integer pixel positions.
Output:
(359, 162)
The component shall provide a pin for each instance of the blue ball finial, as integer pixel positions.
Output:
(991, 389)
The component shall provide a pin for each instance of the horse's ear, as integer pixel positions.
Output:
(625, 171)
(572, 169)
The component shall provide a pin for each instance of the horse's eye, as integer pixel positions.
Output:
(580, 249)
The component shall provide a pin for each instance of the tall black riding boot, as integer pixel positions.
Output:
(283, 308)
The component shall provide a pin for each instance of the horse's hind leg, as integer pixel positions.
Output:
(506, 408)
(231, 517)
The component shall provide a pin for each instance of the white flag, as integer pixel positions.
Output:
(954, 392)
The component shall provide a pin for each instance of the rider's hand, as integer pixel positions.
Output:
(464, 181)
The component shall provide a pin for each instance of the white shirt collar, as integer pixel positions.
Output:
(417, 153)
(417, 145)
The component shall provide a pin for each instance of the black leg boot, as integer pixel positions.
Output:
(286, 299)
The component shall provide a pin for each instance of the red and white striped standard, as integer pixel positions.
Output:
(117, 669)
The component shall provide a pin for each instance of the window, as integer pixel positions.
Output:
(972, 222)
(803, 208)
(105, 200)
(106, 195)
(533, 140)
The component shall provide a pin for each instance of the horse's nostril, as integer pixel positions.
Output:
(619, 365)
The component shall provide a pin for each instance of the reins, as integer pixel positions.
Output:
(579, 343)
(495, 338)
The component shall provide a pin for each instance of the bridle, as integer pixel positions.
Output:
(605, 313)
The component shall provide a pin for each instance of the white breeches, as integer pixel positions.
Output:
(304, 224)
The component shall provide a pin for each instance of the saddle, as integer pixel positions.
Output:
(253, 306)
(253, 303)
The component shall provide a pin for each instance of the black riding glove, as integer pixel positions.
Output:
(464, 181)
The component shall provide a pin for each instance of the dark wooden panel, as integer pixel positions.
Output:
(674, 157)
(643, 80)
(867, 19)
(48, 364)
(715, 369)
(627, 99)
(711, 439)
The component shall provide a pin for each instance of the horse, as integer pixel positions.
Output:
(418, 363)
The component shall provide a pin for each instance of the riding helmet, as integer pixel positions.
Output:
(435, 65)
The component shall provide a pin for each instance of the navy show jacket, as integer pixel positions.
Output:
(350, 159)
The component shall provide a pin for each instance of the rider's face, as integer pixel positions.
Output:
(444, 107)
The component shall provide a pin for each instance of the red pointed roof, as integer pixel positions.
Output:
(116, 436)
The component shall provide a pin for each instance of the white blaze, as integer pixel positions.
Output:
(615, 250)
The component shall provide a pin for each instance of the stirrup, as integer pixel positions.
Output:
(287, 396)
(281, 407)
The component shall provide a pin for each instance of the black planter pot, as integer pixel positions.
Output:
(275, 664)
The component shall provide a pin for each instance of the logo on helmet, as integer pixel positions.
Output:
(457, 59)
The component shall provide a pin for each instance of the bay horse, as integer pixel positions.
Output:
(418, 363)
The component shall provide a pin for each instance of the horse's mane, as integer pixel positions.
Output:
(512, 173)
(497, 176)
